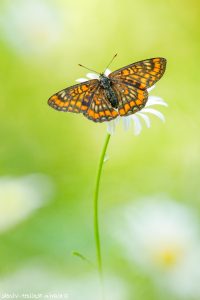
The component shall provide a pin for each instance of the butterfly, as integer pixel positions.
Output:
(121, 93)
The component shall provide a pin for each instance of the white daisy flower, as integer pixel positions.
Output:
(31, 26)
(20, 197)
(41, 281)
(136, 118)
(163, 238)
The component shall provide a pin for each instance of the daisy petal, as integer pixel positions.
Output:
(112, 125)
(154, 112)
(157, 98)
(137, 125)
(126, 123)
(152, 100)
(92, 76)
(107, 72)
(151, 88)
(145, 118)
(81, 80)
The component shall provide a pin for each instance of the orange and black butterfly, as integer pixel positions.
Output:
(121, 93)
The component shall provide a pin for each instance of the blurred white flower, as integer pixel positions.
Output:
(46, 282)
(88, 288)
(31, 26)
(136, 118)
(19, 197)
(162, 237)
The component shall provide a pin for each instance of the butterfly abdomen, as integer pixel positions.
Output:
(109, 92)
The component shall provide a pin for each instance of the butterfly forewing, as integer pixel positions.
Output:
(142, 74)
(76, 99)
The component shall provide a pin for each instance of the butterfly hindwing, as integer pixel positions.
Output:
(142, 74)
(76, 98)
(130, 99)
(100, 109)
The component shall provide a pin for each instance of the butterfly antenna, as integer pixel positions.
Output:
(88, 69)
(110, 62)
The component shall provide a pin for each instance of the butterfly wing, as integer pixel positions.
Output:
(142, 74)
(130, 99)
(87, 98)
(100, 109)
(76, 99)
(130, 83)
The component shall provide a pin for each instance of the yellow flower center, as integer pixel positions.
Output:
(167, 257)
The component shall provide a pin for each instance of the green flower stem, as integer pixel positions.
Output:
(96, 208)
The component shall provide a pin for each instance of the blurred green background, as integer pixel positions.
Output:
(40, 52)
